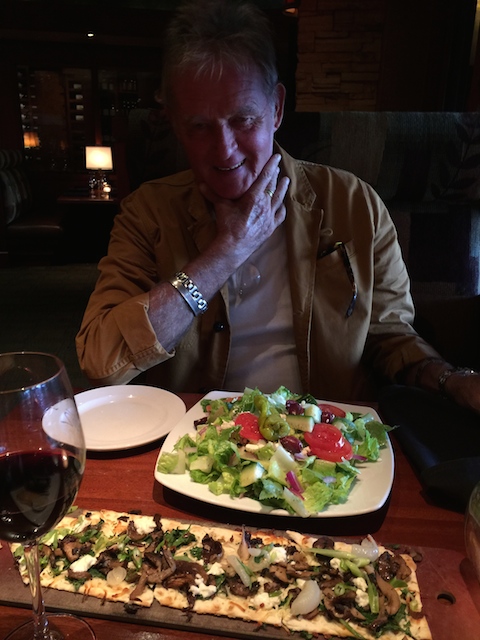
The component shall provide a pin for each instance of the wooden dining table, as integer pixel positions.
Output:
(124, 480)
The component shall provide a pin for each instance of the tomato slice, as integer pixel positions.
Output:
(328, 443)
(331, 408)
(249, 426)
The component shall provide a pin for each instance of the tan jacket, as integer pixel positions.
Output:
(165, 223)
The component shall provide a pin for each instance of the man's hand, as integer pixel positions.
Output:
(243, 225)
(462, 388)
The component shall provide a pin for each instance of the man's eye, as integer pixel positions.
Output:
(197, 127)
(243, 122)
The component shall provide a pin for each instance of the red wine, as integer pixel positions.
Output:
(36, 490)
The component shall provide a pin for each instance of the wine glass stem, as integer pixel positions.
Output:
(40, 622)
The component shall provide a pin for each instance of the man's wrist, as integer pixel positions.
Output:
(189, 292)
(422, 365)
(446, 375)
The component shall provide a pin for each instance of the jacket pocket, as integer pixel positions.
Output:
(336, 281)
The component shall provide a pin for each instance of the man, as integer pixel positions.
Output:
(252, 268)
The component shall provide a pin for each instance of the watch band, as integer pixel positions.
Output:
(190, 293)
(445, 375)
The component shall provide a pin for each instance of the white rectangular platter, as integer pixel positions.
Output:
(368, 494)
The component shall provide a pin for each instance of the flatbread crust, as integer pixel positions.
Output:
(207, 589)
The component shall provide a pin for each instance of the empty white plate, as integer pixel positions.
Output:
(127, 416)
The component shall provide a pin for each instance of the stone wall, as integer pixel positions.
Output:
(339, 54)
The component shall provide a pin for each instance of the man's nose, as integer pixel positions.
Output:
(225, 141)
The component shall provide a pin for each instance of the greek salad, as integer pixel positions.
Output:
(285, 450)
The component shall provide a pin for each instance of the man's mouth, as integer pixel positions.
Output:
(235, 166)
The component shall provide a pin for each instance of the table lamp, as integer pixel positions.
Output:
(30, 140)
(98, 160)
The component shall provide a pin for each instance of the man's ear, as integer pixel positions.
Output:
(280, 93)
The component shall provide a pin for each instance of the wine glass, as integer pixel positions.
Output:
(42, 460)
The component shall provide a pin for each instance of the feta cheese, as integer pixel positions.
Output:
(83, 564)
(361, 595)
(216, 569)
(335, 563)
(265, 601)
(278, 554)
(201, 589)
(361, 598)
(144, 525)
(360, 583)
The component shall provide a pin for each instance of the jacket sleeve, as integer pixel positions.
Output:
(116, 341)
(392, 343)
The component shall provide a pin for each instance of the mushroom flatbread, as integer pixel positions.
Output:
(302, 583)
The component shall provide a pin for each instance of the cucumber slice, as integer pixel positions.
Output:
(275, 472)
(283, 459)
(314, 411)
(301, 423)
(250, 474)
(202, 463)
(295, 502)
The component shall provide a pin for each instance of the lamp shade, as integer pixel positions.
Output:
(30, 139)
(290, 7)
(98, 158)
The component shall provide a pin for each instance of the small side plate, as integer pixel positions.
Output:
(127, 416)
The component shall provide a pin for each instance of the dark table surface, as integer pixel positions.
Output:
(123, 481)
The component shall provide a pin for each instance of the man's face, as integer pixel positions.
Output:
(226, 125)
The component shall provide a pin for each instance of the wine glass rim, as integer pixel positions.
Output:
(58, 361)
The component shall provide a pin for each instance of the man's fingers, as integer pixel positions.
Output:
(268, 177)
(278, 195)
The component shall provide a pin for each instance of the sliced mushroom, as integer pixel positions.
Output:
(132, 532)
(156, 568)
(73, 549)
(328, 584)
(157, 537)
(142, 583)
(180, 581)
(341, 606)
(324, 542)
(238, 588)
(392, 566)
(107, 561)
(192, 568)
(160, 566)
(271, 586)
(78, 575)
(279, 572)
(212, 550)
(392, 599)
